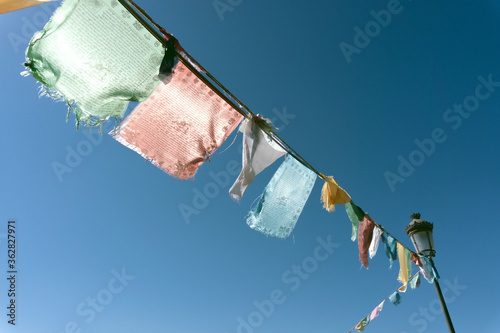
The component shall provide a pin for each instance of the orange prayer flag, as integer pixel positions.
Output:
(12, 5)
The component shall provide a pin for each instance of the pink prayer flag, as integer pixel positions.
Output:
(180, 125)
(374, 314)
(376, 311)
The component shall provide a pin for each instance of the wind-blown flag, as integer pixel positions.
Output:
(404, 266)
(259, 152)
(332, 194)
(180, 125)
(95, 56)
(283, 199)
(428, 270)
(375, 241)
(415, 281)
(374, 314)
(360, 327)
(390, 247)
(395, 298)
(356, 215)
(12, 5)
(365, 234)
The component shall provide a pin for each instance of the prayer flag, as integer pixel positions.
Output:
(356, 215)
(428, 270)
(404, 266)
(365, 234)
(283, 199)
(376, 311)
(332, 194)
(259, 152)
(180, 125)
(415, 258)
(415, 281)
(390, 247)
(375, 241)
(96, 56)
(395, 298)
(360, 327)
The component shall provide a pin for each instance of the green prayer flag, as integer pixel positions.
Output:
(356, 214)
(360, 327)
(96, 56)
(408, 261)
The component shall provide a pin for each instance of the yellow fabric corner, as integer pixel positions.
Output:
(333, 194)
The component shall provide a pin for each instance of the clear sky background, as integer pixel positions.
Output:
(116, 215)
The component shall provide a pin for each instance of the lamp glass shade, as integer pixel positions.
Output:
(423, 242)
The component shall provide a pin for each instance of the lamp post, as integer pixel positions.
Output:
(420, 232)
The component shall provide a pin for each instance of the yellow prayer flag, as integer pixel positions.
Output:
(403, 268)
(332, 194)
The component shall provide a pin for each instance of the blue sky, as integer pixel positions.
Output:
(105, 247)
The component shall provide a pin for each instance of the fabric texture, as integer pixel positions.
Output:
(365, 234)
(180, 125)
(95, 56)
(404, 266)
(372, 250)
(332, 194)
(283, 199)
(356, 215)
(360, 327)
(259, 152)
(12, 5)
(390, 248)
(395, 298)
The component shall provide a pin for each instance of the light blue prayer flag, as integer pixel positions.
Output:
(390, 247)
(283, 199)
(428, 270)
(415, 281)
(395, 298)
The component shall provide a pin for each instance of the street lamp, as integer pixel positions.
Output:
(420, 233)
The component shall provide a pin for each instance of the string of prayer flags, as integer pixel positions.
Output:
(180, 125)
(96, 56)
(395, 298)
(332, 194)
(12, 5)
(390, 247)
(356, 215)
(374, 243)
(259, 152)
(283, 199)
(360, 327)
(365, 234)
(404, 266)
